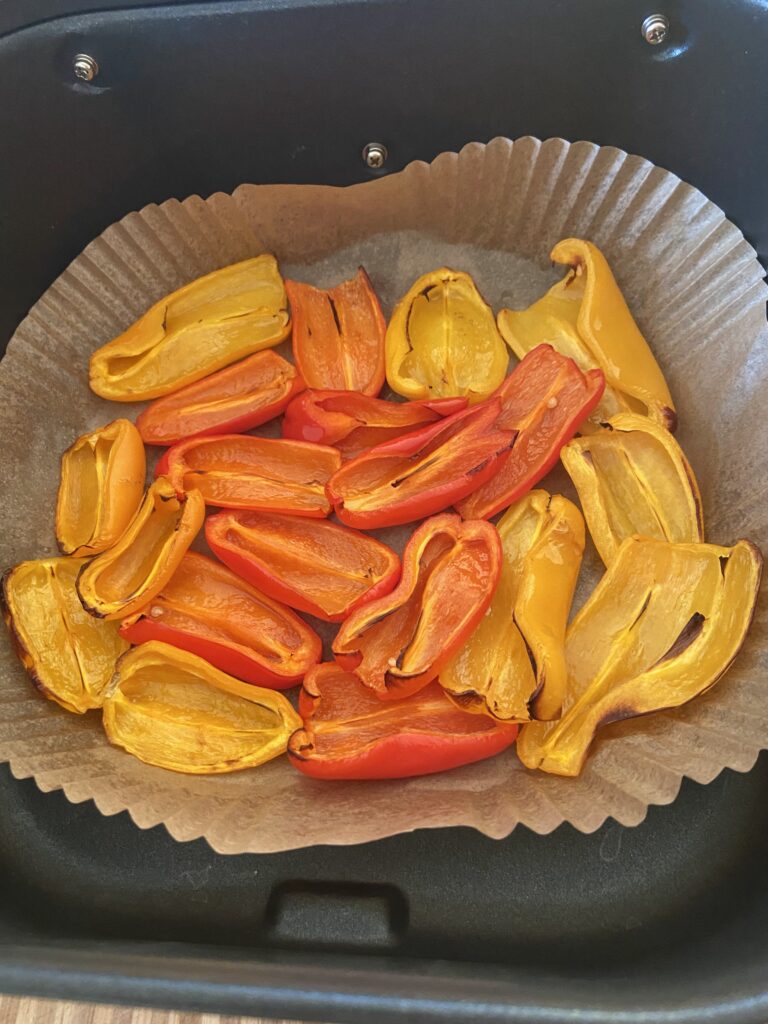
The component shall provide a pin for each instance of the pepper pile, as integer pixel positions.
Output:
(441, 656)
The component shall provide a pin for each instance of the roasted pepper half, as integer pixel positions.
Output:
(232, 400)
(209, 610)
(585, 317)
(338, 334)
(348, 734)
(102, 484)
(442, 340)
(513, 665)
(544, 400)
(399, 643)
(209, 323)
(241, 471)
(662, 626)
(632, 477)
(353, 423)
(318, 567)
(127, 576)
(422, 472)
(172, 709)
(69, 655)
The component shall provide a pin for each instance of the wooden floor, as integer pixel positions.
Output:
(44, 1011)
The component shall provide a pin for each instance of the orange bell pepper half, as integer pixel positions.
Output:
(318, 567)
(208, 610)
(348, 734)
(353, 423)
(235, 399)
(398, 643)
(338, 335)
(241, 471)
(423, 472)
(544, 399)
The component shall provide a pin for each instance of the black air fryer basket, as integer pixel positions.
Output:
(664, 922)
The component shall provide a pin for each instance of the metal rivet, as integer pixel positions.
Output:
(375, 155)
(85, 67)
(655, 29)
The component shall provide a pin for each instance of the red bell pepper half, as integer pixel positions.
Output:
(398, 643)
(241, 471)
(210, 611)
(230, 401)
(423, 472)
(544, 399)
(318, 567)
(349, 734)
(354, 423)
(338, 335)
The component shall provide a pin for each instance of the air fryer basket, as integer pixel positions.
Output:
(667, 921)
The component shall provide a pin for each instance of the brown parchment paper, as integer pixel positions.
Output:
(696, 289)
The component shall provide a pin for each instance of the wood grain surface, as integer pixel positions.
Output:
(45, 1011)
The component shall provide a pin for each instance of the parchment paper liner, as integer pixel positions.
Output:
(696, 289)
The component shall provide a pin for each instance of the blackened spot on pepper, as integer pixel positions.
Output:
(587, 456)
(688, 634)
(723, 563)
(335, 313)
(617, 714)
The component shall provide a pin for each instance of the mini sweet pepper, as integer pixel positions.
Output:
(584, 316)
(632, 477)
(102, 484)
(202, 327)
(232, 400)
(338, 334)
(398, 643)
(209, 610)
(442, 340)
(315, 566)
(348, 733)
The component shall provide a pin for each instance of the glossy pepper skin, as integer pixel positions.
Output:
(633, 478)
(354, 423)
(662, 626)
(585, 317)
(315, 566)
(442, 340)
(233, 400)
(69, 655)
(513, 666)
(241, 471)
(207, 609)
(349, 734)
(423, 472)
(399, 643)
(173, 710)
(196, 330)
(338, 335)
(101, 487)
(544, 400)
(128, 575)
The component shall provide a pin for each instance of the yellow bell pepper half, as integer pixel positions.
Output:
(127, 576)
(513, 666)
(633, 478)
(174, 710)
(204, 326)
(442, 340)
(102, 484)
(584, 316)
(662, 626)
(69, 654)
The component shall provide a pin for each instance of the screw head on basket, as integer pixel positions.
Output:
(85, 67)
(374, 155)
(655, 29)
